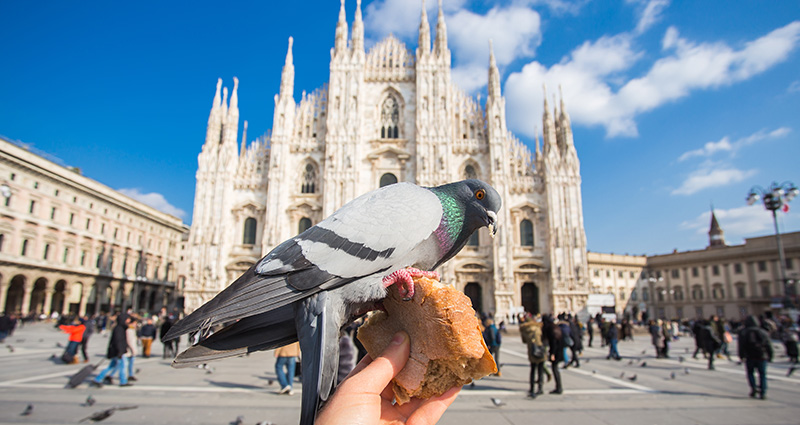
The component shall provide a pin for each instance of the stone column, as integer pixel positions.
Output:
(114, 286)
(85, 291)
(26, 298)
(4, 285)
(48, 300)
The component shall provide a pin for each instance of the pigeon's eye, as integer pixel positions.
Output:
(480, 194)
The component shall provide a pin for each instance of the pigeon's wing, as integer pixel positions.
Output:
(368, 235)
(263, 331)
(318, 332)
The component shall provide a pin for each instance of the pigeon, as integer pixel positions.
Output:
(632, 378)
(103, 414)
(621, 375)
(791, 370)
(644, 364)
(497, 402)
(644, 351)
(90, 401)
(238, 421)
(594, 371)
(209, 370)
(681, 359)
(630, 362)
(586, 360)
(10, 348)
(28, 410)
(310, 286)
(270, 381)
(59, 345)
(672, 375)
(686, 371)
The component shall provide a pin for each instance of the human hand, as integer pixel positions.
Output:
(365, 397)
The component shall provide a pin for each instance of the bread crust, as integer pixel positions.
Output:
(447, 347)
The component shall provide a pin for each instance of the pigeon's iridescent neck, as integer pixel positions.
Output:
(452, 221)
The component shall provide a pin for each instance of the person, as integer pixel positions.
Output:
(789, 337)
(168, 347)
(657, 337)
(666, 331)
(613, 338)
(531, 334)
(285, 363)
(590, 329)
(117, 348)
(90, 325)
(75, 331)
(146, 335)
(755, 350)
(132, 341)
(711, 342)
(577, 341)
(6, 326)
(493, 340)
(366, 396)
(699, 343)
(555, 342)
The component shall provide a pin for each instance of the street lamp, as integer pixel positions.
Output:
(774, 198)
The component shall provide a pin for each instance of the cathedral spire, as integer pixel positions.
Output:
(224, 102)
(424, 45)
(287, 76)
(215, 118)
(716, 237)
(494, 74)
(440, 45)
(564, 117)
(357, 43)
(340, 44)
(233, 110)
(244, 140)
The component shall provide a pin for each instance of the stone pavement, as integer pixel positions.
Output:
(595, 393)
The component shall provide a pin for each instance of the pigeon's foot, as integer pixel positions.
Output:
(404, 279)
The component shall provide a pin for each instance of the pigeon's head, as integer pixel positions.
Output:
(482, 202)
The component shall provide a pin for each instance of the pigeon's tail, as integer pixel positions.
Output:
(249, 295)
(263, 331)
(318, 329)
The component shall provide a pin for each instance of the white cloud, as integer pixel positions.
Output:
(591, 70)
(557, 7)
(401, 17)
(794, 87)
(736, 222)
(725, 145)
(649, 13)
(155, 200)
(710, 176)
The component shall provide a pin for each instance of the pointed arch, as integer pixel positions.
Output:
(390, 114)
(471, 170)
(310, 177)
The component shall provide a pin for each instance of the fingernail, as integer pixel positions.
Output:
(399, 338)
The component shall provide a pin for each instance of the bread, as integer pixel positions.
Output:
(447, 347)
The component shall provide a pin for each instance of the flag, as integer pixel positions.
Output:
(785, 208)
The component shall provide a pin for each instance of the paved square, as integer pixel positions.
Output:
(595, 393)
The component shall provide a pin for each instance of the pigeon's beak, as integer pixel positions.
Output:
(492, 222)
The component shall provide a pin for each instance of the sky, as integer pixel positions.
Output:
(676, 106)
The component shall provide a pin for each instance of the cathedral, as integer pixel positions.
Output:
(390, 115)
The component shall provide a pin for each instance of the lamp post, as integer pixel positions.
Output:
(774, 198)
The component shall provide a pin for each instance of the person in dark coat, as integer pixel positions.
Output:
(699, 343)
(755, 350)
(590, 329)
(711, 342)
(555, 342)
(169, 347)
(117, 350)
(613, 337)
(577, 343)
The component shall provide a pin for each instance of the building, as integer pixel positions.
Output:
(730, 281)
(69, 244)
(387, 115)
(618, 275)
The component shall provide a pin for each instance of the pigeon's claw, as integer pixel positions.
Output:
(404, 279)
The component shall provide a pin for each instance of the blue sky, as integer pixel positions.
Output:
(675, 105)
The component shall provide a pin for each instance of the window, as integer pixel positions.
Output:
(676, 273)
(740, 290)
(99, 260)
(645, 294)
(633, 275)
(387, 179)
(526, 233)
(718, 293)
(88, 223)
(762, 266)
(622, 294)
(46, 250)
(71, 218)
(249, 237)
(2, 239)
(715, 270)
(305, 224)
(31, 208)
(309, 179)
(473, 240)
(65, 256)
(697, 292)
(596, 273)
(102, 228)
(634, 296)
(737, 268)
(24, 247)
(53, 213)
(660, 294)
(83, 257)
(469, 172)
(390, 119)
(8, 200)
(789, 264)
(620, 274)
(678, 294)
(695, 272)
(608, 273)
(765, 292)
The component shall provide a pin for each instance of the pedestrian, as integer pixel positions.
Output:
(90, 327)
(711, 342)
(555, 342)
(590, 329)
(491, 335)
(132, 341)
(699, 343)
(117, 350)
(657, 337)
(789, 337)
(531, 334)
(75, 331)
(146, 335)
(666, 330)
(613, 338)
(755, 350)
(285, 363)
(6, 326)
(167, 351)
(566, 336)
(577, 342)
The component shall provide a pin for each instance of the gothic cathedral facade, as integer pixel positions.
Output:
(390, 115)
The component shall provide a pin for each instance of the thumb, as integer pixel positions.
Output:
(380, 372)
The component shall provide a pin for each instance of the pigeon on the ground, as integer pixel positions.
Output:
(791, 370)
(238, 421)
(644, 364)
(681, 359)
(313, 284)
(59, 345)
(686, 371)
(621, 375)
(10, 348)
(672, 375)
(104, 414)
(632, 378)
(90, 401)
(209, 370)
(630, 362)
(497, 402)
(586, 360)
(28, 410)
(644, 351)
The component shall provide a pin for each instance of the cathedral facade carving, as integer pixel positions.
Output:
(389, 115)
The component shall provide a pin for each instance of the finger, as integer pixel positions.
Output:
(431, 410)
(377, 375)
